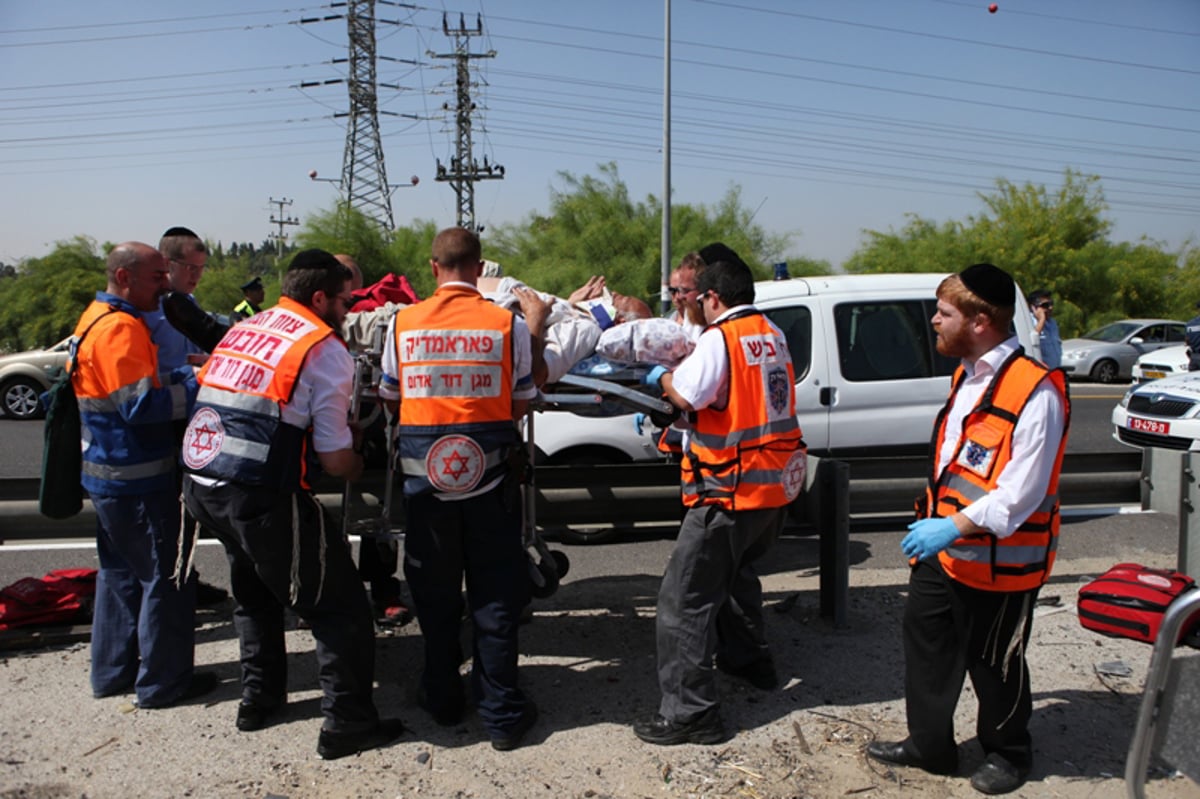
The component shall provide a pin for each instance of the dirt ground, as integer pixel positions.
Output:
(589, 664)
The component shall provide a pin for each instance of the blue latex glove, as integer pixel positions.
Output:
(654, 376)
(639, 419)
(928, 537)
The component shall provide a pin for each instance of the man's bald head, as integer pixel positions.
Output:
(356, 275)
(137, 273)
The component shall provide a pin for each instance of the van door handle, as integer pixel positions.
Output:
(827, 395)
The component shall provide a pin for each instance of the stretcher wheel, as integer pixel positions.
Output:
(561, 562)
(543, 577)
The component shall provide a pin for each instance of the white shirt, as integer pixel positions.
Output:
(322, 396)
(1021, 487)
(703, 377)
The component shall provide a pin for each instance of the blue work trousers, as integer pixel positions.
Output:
(481, 538)
(143, 626)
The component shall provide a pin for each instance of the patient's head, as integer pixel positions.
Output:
(630, 308)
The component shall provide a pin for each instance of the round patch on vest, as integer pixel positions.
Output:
(1154, 580)
(454, 464)
(202, 442)
(794, 472)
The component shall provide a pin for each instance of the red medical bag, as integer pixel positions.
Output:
(1129, 600)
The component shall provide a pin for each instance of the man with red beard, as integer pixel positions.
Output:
(985, 540)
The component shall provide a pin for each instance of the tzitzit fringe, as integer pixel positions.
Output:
(295, 587)
(182, 571)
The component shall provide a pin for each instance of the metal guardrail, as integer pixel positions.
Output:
(644, 492)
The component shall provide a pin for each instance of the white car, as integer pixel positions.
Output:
(1162, 413)
(1160, 363)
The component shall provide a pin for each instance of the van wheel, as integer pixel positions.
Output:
(1105, 371)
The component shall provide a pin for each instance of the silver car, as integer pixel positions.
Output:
(24, 376)
(1107, 354)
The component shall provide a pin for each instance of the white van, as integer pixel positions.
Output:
(869, 380)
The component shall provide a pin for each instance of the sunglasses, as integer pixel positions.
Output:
(676, 290)
(1045, 305)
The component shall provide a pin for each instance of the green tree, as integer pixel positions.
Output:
(43, 302)
(594, 227)
(1046, 240)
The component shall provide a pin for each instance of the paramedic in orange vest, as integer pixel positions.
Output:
(985, 539)
(142, 625)
(271, 414)
(460, 369)
(743, 463)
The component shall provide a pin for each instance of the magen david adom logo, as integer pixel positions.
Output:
(202, 442)
(454, 464)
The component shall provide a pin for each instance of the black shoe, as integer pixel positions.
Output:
(209, 595)
(898, 753)
(704, 729)
(998, 775)
(332, 745)
(252, 717)
(512, 739)
(203, 682)
(444, 717)
(759, 673)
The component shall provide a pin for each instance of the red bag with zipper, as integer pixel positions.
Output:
(1129, 601)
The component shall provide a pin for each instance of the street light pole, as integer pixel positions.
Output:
(664, 295)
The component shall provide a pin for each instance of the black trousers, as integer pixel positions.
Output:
(951, 631)
(284, 552)
(479, 538)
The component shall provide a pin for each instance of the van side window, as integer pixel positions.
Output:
(885, 341)
(796, 324)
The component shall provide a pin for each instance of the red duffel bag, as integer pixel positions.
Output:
(1129, 600)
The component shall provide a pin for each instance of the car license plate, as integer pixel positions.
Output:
(1154, 375)
(1149, 426)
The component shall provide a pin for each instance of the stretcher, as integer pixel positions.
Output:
(619, 392)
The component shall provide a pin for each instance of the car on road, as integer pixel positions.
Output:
(1162, 413)
(1160, 363)
(1107, 353)
(25, 375)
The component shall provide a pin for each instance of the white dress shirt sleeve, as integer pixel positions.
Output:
(1021, 487)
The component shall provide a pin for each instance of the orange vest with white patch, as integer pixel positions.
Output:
(236, 431)
(749, 453)
(1023, 560)
(455, 356)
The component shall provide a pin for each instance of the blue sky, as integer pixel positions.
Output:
(118, 120)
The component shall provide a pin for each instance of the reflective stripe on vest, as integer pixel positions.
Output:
(748, 454)
(136, 471)
(236, 432)
(1023, 560)
(454, 352)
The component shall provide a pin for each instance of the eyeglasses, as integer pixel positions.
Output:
(189, 267)
(674, 290)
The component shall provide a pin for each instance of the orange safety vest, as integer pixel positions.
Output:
(1023, 560)
(236, 431)
(749, 453)
(455, 357)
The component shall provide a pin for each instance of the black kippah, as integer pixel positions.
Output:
(313, 259)
(180, 231)
(990, 284)
(718, 251)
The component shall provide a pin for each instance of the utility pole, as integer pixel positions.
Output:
(283, 221)
(464, 169)
(364, 184)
